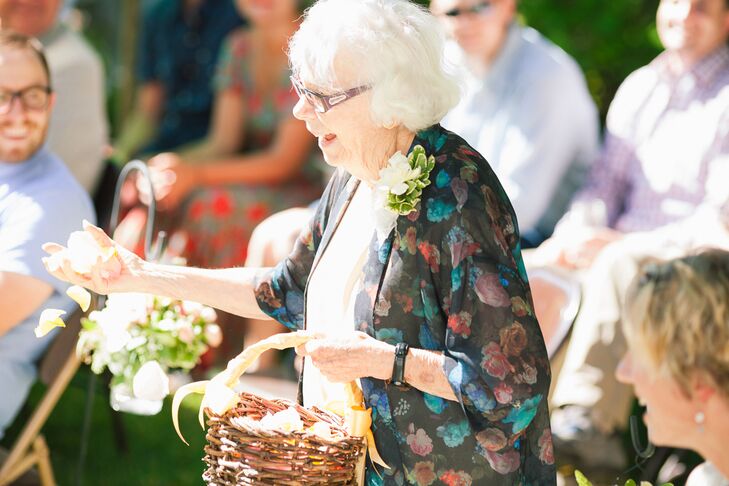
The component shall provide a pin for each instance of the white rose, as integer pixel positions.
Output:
(213, 335)
(185, 332)
(394, 176)
(151, 382)
(208, 314)
(191, 307)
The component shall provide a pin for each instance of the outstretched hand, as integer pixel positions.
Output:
(95, 261)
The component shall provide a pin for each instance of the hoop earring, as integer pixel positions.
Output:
(389, 125)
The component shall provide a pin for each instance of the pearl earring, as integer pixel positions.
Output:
(699, 419)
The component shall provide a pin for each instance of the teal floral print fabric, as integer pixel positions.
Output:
(449, 278)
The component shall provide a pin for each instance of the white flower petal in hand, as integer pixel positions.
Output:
(151, 382)
(49, 320)
(84, 253)
(80, 295)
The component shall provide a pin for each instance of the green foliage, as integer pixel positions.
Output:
(155, 455)
(583, 481)
(608, 39)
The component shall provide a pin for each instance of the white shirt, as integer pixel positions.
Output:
(531, 116)
(666, 148)
(333, 286)
(706, 474)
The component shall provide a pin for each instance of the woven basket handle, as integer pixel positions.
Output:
(238, 365)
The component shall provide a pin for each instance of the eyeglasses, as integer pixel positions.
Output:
(323, 103)
(473, 9)
(32, 98)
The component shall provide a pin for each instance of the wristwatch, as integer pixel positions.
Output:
(398, 368)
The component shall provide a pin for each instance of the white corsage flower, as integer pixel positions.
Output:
(399, 188)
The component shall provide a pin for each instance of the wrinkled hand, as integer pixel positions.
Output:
(344, 359)
(119, 273)
(172, 180)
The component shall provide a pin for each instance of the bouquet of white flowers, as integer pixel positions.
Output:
(139, 338)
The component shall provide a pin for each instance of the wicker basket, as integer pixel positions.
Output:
(238, 452)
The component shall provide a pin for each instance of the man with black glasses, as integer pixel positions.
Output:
(39, 200)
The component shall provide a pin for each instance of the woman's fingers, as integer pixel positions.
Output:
(52, 248)
(69, 275)
(101, 238)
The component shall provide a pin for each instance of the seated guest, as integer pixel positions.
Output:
(677, 328)
(256, 159)
(178, 50)
(666, 149)
(78, 131)
(39, 199)
(526, 108)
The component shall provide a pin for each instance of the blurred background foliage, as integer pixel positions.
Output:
(608, 38)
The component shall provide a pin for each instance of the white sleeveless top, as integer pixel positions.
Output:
(333, 286)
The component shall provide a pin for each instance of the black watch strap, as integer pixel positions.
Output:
(398, 368)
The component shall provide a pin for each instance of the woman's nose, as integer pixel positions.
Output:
(303, 109)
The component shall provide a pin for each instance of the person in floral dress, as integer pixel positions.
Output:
(410, 273)
(256, 160)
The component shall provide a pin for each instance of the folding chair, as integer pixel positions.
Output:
(56, 369)
(557, 297)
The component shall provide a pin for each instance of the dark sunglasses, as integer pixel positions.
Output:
(473, 9)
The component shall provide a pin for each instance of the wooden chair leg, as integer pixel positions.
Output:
(43, 459)
(19, 459)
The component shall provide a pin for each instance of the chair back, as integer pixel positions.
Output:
(556, 295)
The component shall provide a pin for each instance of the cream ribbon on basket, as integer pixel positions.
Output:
(219, 396)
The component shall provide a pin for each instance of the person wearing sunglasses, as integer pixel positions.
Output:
(410, 270)
(526, 108)
(39, 198)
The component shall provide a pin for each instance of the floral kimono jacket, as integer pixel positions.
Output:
(449, 278)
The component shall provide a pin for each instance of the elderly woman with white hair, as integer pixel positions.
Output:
(411, 265)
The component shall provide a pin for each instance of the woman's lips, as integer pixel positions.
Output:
(325, 140)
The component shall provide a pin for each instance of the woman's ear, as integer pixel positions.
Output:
(702, 388)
